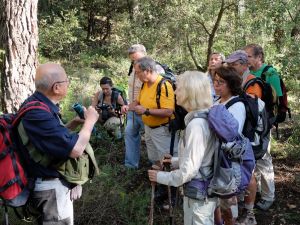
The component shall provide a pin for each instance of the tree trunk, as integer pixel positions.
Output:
(19, 38)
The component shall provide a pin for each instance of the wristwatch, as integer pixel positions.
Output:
(147, 112)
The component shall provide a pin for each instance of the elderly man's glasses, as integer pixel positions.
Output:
(60, 82)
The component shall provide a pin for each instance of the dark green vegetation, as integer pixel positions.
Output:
(90, 39)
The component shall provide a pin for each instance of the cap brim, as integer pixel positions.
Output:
(231, 60)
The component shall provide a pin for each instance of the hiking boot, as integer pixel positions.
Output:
(247, 218)
(264, 204)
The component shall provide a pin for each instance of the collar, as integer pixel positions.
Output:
(194, 114)
(245, 75)
(41, 97)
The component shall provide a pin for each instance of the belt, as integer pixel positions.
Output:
(161, 125)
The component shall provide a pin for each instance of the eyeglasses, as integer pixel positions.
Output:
(219, 82)
(60, 82)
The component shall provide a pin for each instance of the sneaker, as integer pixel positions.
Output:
(247, 218)
(264, 204)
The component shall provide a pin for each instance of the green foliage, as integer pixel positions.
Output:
(114, 196)
(61, 38)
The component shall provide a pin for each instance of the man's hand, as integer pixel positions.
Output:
(139, 109)
(167, 159)
(76, 192)
(91, 114)
(124, 109)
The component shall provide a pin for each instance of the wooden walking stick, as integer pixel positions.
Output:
(167, 167)
(152, 203)
(153, 184)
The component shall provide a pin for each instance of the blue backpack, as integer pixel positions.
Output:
(233, 160)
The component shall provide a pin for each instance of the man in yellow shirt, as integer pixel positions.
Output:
(156, 113)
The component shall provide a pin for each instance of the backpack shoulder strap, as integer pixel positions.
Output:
(100, 98)
(158, 91)
(130, 69)
(114, 98)
(263, 73)
(233, 101)
(190, 118)
(29, 106)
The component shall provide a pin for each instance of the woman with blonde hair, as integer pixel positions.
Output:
(196, 148)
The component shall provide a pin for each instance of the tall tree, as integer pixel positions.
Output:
(19, 39)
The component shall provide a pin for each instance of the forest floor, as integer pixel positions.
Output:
(286, 207)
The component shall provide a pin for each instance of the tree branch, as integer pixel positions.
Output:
(198, 66)
(214, 30)
(203, 25)
(290, 15)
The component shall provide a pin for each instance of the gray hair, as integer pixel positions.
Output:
(47, 80)
(137, 48)
(146, 63)
(46, 76)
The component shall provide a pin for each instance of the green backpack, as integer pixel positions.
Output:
(81, 169)
(75, 171)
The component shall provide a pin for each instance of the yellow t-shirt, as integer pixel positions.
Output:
(147, 99)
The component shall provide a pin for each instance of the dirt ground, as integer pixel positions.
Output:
(286, 208)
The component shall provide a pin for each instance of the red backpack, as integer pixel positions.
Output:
(14, 189)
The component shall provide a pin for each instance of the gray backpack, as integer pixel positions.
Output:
(233, 160)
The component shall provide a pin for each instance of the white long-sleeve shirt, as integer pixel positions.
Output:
(196, 152)
(238, 111)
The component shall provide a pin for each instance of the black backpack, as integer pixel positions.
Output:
(277, 108)
(179, 112)
(267, 96)
(169, 74)
(282, 101)
(257, 125)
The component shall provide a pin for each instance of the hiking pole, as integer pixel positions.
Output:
(155, 167)
(167, 167)
(152, 203)
(5, 216)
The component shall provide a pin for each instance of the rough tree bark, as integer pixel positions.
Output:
(19, 40)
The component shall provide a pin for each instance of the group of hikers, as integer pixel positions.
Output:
(190, 152)
(193, 152)
(148, 114)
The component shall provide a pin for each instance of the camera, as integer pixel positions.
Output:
(103, 107)
(104, 110)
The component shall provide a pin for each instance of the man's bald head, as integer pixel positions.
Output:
(47, 74)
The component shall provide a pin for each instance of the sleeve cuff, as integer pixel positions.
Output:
(163, 177)
(175, 162)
